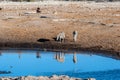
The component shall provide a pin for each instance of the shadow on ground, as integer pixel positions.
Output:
(43, 40)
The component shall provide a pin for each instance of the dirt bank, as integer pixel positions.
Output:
(98, 25)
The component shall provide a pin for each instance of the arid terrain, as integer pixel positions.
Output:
(98, 25)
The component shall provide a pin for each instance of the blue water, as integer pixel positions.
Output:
(43, 63)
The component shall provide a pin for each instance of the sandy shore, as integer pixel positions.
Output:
(98, 25)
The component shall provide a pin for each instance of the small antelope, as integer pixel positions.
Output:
(38, 10)
(75, 34)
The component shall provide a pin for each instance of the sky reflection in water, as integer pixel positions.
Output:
(31, 62)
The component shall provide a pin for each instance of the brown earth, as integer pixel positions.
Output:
(98, 26)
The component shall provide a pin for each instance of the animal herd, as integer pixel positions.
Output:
(61, 36)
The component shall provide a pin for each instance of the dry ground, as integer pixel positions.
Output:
(98, 24)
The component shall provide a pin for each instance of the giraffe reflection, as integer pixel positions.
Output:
(74, 57)
(59, 57)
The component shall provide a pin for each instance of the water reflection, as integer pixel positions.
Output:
(118, 54)
(60, 56)
(19, 54)
(18, 62)
(74, 57)
(38, 54)
(0, 53)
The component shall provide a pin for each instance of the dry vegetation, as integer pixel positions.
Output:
(98, 24)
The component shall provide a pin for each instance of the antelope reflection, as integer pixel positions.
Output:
(19, 54)
(74, 57)
(0, 53)
(59, 57)
(38, 54)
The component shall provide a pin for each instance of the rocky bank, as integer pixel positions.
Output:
(54, 77)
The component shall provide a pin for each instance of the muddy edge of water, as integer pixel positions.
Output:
(56, 46)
